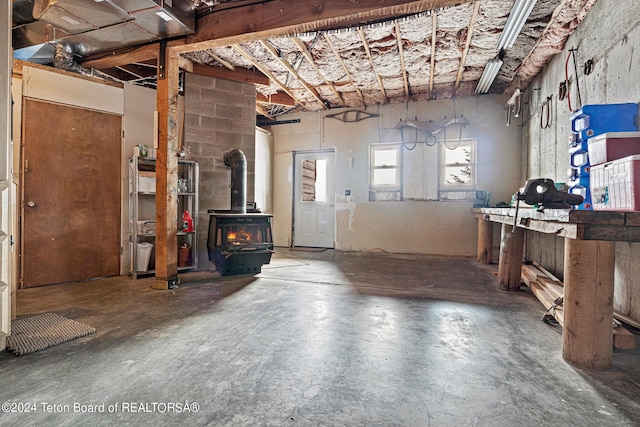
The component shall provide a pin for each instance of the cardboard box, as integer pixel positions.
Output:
(147, 182)
(615, 186)
(613, 146)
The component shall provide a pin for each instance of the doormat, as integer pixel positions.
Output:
(42, 331)
(305, 249)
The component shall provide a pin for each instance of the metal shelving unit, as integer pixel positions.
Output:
(142, 214)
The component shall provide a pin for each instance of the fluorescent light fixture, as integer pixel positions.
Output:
(518, 16)
(488, 75)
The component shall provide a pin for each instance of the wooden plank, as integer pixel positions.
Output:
(289, 17)
(139, 54)
(274, 52)
(167, 176)
(278, 98)
(485, 241)
(622, 338)
(465, 51)
(612, 233)
(365, 44)
(310, 60)
(626, 319)
(509, 267)
(434, 26)
(241, 75)
(344, 66)
(403, 68)
(589, 271)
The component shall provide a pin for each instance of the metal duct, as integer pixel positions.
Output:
(87, 27)
(237, 161)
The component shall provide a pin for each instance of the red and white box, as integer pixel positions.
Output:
(611, 146)
(615, 186)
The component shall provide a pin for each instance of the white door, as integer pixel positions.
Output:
(314, 212)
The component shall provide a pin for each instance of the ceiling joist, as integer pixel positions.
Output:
(278, 98)
(311, 61)
(365, 43)
(403, 69)
(267, 45)
(474, 16)
(344, 66)
(266, 71)
(289, 17)
(239, 75)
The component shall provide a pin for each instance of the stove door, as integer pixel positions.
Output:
(314, 212)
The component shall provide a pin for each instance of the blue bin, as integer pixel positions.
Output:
(581, 185)
(596, 119)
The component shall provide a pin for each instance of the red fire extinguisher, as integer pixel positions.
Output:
(187, 222)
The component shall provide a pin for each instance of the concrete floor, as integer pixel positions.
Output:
(331, 338)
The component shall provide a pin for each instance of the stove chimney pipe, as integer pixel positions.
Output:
(237, 161)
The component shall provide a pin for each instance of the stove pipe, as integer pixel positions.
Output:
(237, 161)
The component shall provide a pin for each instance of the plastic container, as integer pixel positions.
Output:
(616, 185)
(581, 185)
(596, 119)
(612, 146)
(143, 256)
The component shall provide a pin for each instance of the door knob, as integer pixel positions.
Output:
(31, 203)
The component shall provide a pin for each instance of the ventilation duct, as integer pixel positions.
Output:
(86, 27)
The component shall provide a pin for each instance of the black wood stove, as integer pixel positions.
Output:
(239, 242)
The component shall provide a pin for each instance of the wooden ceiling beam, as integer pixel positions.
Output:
(241, 75)
(264, 112)
(293, 71)
(402, 65)
(287, 17)
(344, 66)
(312, 62)
(365, 43)
(278, 98)
(266, 71)
(224, 63)
(463, 60)
(139, 54)
(434, 27)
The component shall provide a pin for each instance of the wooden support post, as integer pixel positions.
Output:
(511, 251)
(587, 341)
(485, 241)
(167, 173)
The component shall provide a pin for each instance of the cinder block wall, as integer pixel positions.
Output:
(220, 115)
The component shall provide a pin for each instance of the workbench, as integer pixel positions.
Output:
(589, 264)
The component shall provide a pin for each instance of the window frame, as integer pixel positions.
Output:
(388, 192)
(472, 164)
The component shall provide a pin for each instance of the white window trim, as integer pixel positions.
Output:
(470, 142)
(398, 185)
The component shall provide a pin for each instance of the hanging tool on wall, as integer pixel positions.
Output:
(564, 90)
(514, 106)
(545, 118)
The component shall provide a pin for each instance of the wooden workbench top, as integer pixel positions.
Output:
(569, 223)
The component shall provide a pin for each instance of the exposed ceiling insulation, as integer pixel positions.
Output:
(430, 53)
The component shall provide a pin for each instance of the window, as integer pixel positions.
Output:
(458, 168)
(314, 180)
(385, 182)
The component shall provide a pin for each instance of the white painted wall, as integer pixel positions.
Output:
(264, 171)
(609, 35)
(411, 226)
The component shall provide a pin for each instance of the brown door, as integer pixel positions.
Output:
(71, 194)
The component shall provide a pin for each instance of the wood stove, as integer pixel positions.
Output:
(239, 242)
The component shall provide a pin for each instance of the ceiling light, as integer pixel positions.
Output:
(518, 16)
(489, 75)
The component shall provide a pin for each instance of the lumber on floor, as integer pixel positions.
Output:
(550, 290)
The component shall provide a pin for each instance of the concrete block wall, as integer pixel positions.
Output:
(609, 35)
(219, 116)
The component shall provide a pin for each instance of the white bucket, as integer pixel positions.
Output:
(143, 256)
